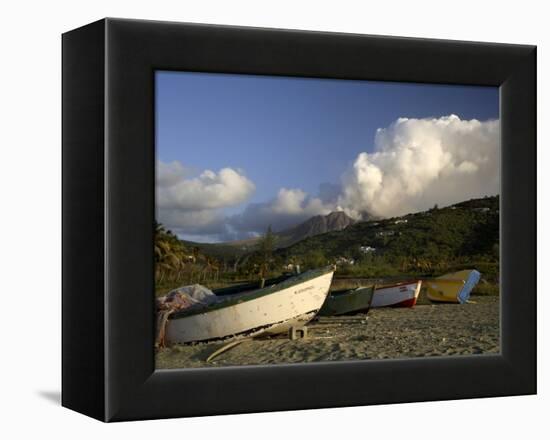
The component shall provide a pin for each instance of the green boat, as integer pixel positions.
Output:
(344, 302)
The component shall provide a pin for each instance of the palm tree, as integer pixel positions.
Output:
(174, 263)
(169, 254)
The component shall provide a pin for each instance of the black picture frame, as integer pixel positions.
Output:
(108, 219)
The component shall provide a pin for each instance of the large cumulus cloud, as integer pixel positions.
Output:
(417, 163)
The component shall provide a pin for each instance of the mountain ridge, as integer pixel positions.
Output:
(316, 225)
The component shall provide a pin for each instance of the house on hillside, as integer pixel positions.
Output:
(367, 249)
(385, 233)
(343, 261)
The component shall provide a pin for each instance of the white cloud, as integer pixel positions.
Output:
(296, 202)
(288, 208)
(169, 174)
(209, 190)
(193, 204)
(420, 162)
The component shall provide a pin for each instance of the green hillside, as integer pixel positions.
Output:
(426, 242)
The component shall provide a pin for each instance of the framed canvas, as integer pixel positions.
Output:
(125, 82)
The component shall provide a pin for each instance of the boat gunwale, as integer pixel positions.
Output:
(444, 281)
(401, 283)
(238, 298)
(344, 292)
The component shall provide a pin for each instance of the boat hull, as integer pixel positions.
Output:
(397, 295)
(250, 315)
(452, 288)
(351, 301)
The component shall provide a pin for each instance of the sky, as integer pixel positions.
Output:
(236, 153)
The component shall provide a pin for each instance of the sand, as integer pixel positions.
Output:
(386, 333)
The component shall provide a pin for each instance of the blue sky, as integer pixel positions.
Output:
(290, 132)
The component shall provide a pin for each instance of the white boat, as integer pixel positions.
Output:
(403, 294)
(272, 309)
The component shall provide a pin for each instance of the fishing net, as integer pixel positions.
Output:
(182, 298)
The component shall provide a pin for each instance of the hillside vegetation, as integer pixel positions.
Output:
(423, 243)
(430, 243)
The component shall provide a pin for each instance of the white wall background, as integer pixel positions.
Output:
(30, 232)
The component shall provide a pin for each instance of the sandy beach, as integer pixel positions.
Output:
(386, 333)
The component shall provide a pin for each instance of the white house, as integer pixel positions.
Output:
(367, 249)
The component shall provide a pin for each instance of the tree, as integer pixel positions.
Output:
(169, 255)
(315, 258)
(266, 246)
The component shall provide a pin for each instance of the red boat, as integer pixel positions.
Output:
(402, 294)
